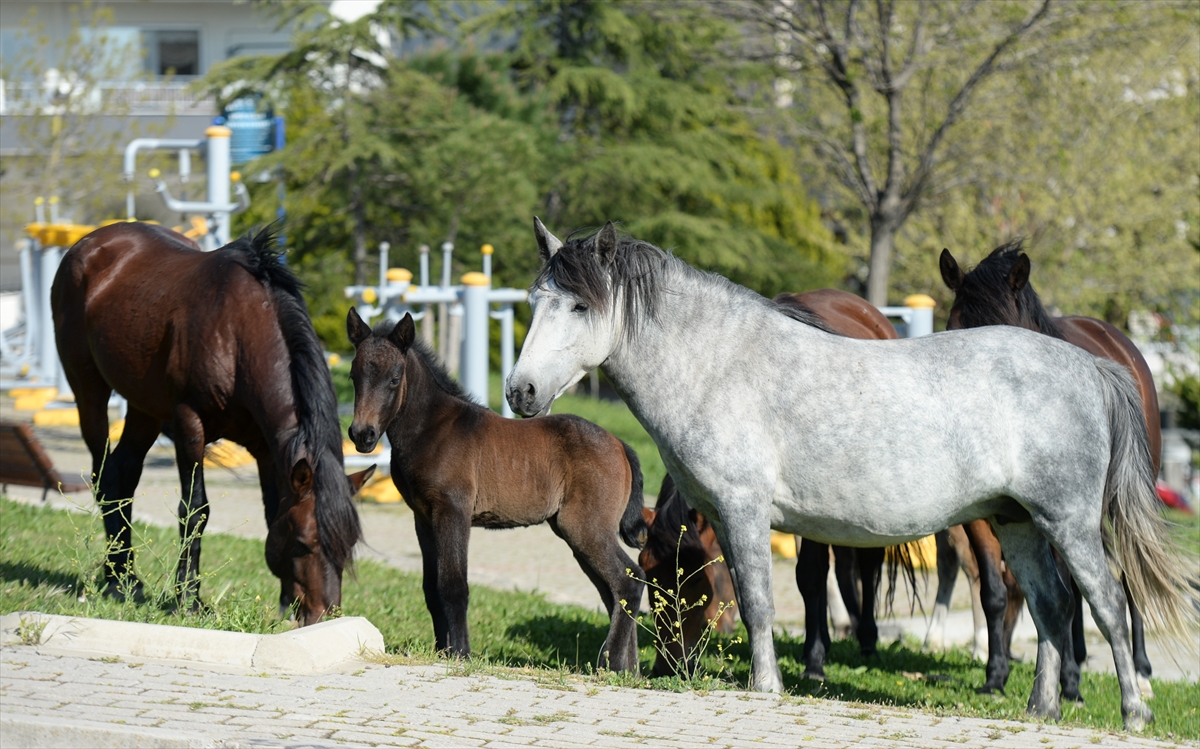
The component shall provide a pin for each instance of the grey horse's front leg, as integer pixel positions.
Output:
(745, 537)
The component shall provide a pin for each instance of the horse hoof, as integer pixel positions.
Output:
(1077, 698)
(1144, 687)
(1137, 719)
(991, 689)
(125, 588)
(1045, 713)
(814, 675)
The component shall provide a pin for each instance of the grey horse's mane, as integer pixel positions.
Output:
(642, 275)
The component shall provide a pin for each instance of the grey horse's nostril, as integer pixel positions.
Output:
(530, 390)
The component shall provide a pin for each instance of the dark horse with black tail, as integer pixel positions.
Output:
(216, 344)
(998, 292)
(458, 464)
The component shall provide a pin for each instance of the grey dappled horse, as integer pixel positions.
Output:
(767, 421)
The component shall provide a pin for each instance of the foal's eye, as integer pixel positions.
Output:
(581, 307)
(395, 381)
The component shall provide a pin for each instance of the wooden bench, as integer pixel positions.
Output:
(25, 463)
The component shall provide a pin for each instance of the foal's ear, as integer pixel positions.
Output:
(356, 330)
(403, 334)
(358, 479)
(606, 244)
(547, 243)
(649, 515)
(302, 478)
(1019, 275)
(952, 275)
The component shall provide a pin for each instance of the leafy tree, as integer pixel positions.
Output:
(650, 133)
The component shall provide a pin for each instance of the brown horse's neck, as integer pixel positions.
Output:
(426, 406)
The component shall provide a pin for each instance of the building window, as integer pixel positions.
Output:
(171, 53)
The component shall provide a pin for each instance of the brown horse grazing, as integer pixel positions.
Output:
(458, 464)
(216, 344)
(845, 314)
(998, 292)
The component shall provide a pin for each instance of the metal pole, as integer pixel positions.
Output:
(47, 352)
(29, 297)
(444, 324)
(383, 263)
(474, 376)
(506, 354)
(922, 314)
(217, 158)
(427, 317)
(487, 251)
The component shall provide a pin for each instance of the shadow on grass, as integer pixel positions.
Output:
(555, 640)
(23, 572)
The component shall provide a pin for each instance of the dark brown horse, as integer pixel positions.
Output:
(216, 345)
(845, 314)
(458, 465)
(998, 292)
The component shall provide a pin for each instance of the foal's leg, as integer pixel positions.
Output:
(1029, 555)
(848, 580)
(947, 569)
(193, 504)
(1069, 675)
(452, 530)
(812, 568)
(870, 563)
(602, 559)
(429, 583)
(745, 535)
(993, 595)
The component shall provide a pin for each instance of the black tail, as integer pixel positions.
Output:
(899, 560)
(633, 523)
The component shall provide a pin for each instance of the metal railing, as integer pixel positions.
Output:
(103, 97)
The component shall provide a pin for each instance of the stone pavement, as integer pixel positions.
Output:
(62, 701)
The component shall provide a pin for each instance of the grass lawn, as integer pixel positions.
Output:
(48, 558)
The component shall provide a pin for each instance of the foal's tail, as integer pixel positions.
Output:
(1137, 539)
(633, 524)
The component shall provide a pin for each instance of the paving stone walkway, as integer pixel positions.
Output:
(62, 701)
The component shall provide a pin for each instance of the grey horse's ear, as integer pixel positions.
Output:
(606, 244)
(403, 334)
(356, 330)
(548, 244)
(1019, 275)
(952, 275)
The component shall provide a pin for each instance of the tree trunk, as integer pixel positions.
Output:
(360, 233)
(883, 238)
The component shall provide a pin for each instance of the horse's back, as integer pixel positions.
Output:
(161, 321)
(848, 314)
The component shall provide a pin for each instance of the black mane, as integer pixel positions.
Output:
(432, 362)
(663, 539)
(319, 435)
(637, 269)
(983, 297)
(801, 312)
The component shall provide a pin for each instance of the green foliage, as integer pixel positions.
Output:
(1188, 390)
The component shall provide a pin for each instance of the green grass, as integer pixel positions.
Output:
(48, 557)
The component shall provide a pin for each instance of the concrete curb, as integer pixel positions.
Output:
(32, 732)
(314, 649)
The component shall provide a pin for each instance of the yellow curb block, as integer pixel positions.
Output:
(37, 392)
(226, 454)
(380, 490)
(783, 544)
(57, 417)
(32, 402)
(115, 431)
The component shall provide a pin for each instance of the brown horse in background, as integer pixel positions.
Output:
(845, 314)
(457, 464)
(998, 292)
(217, 345)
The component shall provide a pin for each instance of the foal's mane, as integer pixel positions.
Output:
(433, 363)
(312, 393)
(640, 271)
(986, 289)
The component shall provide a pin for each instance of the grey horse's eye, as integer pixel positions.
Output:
(581, 307)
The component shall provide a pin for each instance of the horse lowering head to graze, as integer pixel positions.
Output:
(215, 345)
(458, 464)
(998, 292)
(710, 369)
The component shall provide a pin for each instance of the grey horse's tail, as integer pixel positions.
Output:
(1137, 535)
(633, 524)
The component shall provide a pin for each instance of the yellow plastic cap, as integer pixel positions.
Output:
(39, 200)
(399, 274)
(475, 279)
(53, 199)
(369, 296)
(218, 131)
(487, 249)
(154, 173)
(919, 301)
(235, 176)
(334, 360)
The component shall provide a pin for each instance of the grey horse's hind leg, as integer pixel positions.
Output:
(1029, 556)
(1083, 550)
(746, 541)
